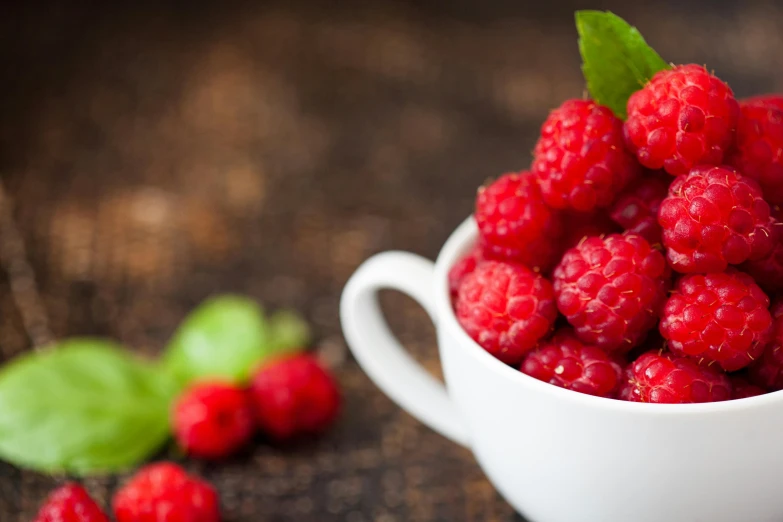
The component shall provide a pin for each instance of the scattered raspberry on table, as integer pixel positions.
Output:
(661, 377)
(580, 161)
(712, 218)
(294, 396)
(514, 222)
(163, 492)
(506, 308)
(70, 503)
(212, 419)
(720, 318)
(611, 290)
(683, 117)
(565, 362)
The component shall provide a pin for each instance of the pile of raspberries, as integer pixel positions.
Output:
(639, 260)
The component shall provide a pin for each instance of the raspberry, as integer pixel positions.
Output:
(566, 362)
(70, 503)
(580, 159)
(758, 153)
(712, 218)
(464, 266)
(514, 222)
(294, 396)
(661, 377)
(766, 100)
(636, 209)
(742, 389)
(610, 290)
(163, 492)
(721, 318)
(212, 420)
(768, 271)
(767, 371)
(580, 225)
(683, 117)
(506, 308)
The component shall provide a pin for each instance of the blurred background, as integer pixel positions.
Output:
(155, 153)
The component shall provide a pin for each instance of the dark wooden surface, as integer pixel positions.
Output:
(152, 156)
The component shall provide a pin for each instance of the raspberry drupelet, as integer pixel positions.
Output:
(712, 218)
(580, 159)
(515, 224)
(611, 290)
(565, 362)
(721, 318)
(683, 117)
(767, 371)
(758, 153)
(506, 308)
(661, 377)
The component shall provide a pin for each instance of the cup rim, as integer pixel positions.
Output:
(456, 245)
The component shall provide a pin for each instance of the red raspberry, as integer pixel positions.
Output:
(580, 225)
(610, 290)
(163, 492)
(766, 100)
(294, 396)
(70, 503)
(464, 266)
(514, 222)
(636, 209)
(768, 271)
(742, 389)
(580, 159)
(212, 420)
(767, 371)
(759, 150)
(712, 218)
(720, 318)
(566, 362)
(683, 117)
(506, 308)
(662, 377)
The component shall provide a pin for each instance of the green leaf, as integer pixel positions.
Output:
(224, 337)
(288, 333)
(82, 406)
(616, 61)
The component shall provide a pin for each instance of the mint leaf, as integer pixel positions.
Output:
(288, 333)
(83, 406)
(224, 337)
(616, 61)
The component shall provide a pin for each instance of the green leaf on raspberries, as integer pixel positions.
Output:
(224, 337)
(616, 61)
(82, 406)
(288, 333)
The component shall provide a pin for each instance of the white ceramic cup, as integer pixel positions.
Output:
(557, 455)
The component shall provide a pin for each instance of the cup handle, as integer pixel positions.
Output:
(379, 353)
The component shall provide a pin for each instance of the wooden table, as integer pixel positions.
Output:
(152, 157)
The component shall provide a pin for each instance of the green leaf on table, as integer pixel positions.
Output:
(616, 61)
(288, 333)
(224, 338)
(82, 406)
